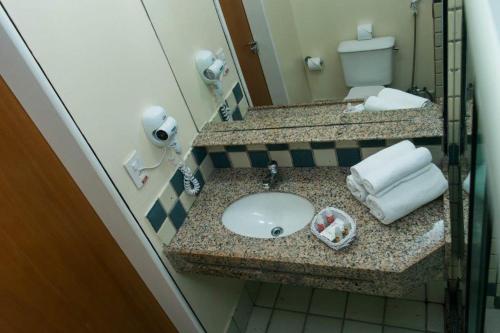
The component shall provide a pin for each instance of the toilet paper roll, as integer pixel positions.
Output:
(314, 64)
(365, 31)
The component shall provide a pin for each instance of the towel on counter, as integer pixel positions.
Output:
(394, 171)
(375, 103)
(357, 190)
(408, 196)
(380, 160)
(403, 99)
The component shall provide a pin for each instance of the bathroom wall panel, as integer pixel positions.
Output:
(323, 24)
(184, 28)
(106, 64)
(61, 269)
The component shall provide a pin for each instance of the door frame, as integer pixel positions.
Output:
(29, 84)
(267, 55)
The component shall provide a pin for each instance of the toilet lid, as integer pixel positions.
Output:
(363, 92)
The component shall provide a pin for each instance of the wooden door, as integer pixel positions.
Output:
(60, 269)
(241, 36)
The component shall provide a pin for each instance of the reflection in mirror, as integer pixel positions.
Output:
(366, 55)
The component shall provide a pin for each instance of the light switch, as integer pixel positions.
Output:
(134, 165)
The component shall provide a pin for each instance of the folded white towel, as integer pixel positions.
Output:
(380, 159)
(375, 103)
(395, 170)
(466, 183)
(408, 196)
(403, 99)
(357, 190)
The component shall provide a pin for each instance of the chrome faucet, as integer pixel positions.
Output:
(272, 177)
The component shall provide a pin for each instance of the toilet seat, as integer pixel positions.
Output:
(363, 92)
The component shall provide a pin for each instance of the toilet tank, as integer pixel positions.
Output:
(367, 62)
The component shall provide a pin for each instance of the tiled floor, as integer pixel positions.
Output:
(289, 309)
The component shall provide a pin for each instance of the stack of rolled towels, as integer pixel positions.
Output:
(390, 99)
(397, 180)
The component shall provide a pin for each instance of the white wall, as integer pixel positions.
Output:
(322, 24)
(185, 27)
(287, 44)
(107, 66)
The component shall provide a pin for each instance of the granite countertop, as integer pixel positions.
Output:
(411, 128)
(377, 252)
(318, 114)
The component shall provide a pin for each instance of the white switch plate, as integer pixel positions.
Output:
(133, 165)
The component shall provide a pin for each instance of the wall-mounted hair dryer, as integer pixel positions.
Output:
(160, 128)
(209, 66)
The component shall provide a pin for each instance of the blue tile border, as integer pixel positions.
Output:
(348, 157)
(258, 159)
(237, 148)
(178, 215)
(238, 93)
(323, 145)
(199, 154)
(157, 215)
(345, 157)
(373, 143)
(277, 147)
(177, 182)
(237, 114)
(302, 158)
(220, 159)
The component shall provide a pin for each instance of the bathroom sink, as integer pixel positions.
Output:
(268, 215)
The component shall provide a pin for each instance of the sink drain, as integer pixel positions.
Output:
(276, 231)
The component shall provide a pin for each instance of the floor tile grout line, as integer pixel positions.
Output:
(383, 314)
(426, 310)
(254, 302)
(273, 308)
(345, 312)
(308, 310)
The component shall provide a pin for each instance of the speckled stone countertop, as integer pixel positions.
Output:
(412, 128)
(318, 114)
(385, 260)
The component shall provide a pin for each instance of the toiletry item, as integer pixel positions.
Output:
(380, 160)
(407, 164)
(329, 217)
(408, 196)
(338, 233)
(329, 233)
(320, 227)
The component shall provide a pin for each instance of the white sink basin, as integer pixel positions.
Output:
(268, 215)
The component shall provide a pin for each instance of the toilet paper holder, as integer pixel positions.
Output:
(316, 67)
(309, 57)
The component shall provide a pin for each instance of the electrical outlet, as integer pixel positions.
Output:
(134, 165)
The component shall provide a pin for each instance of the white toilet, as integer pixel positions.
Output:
(368, 65)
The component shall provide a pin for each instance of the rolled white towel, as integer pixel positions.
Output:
(403, 99)
(380, 159)
(408, 196)
(394, 171)
(357, 190)
(374, 104)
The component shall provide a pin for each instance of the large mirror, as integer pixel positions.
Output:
(337, 56)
